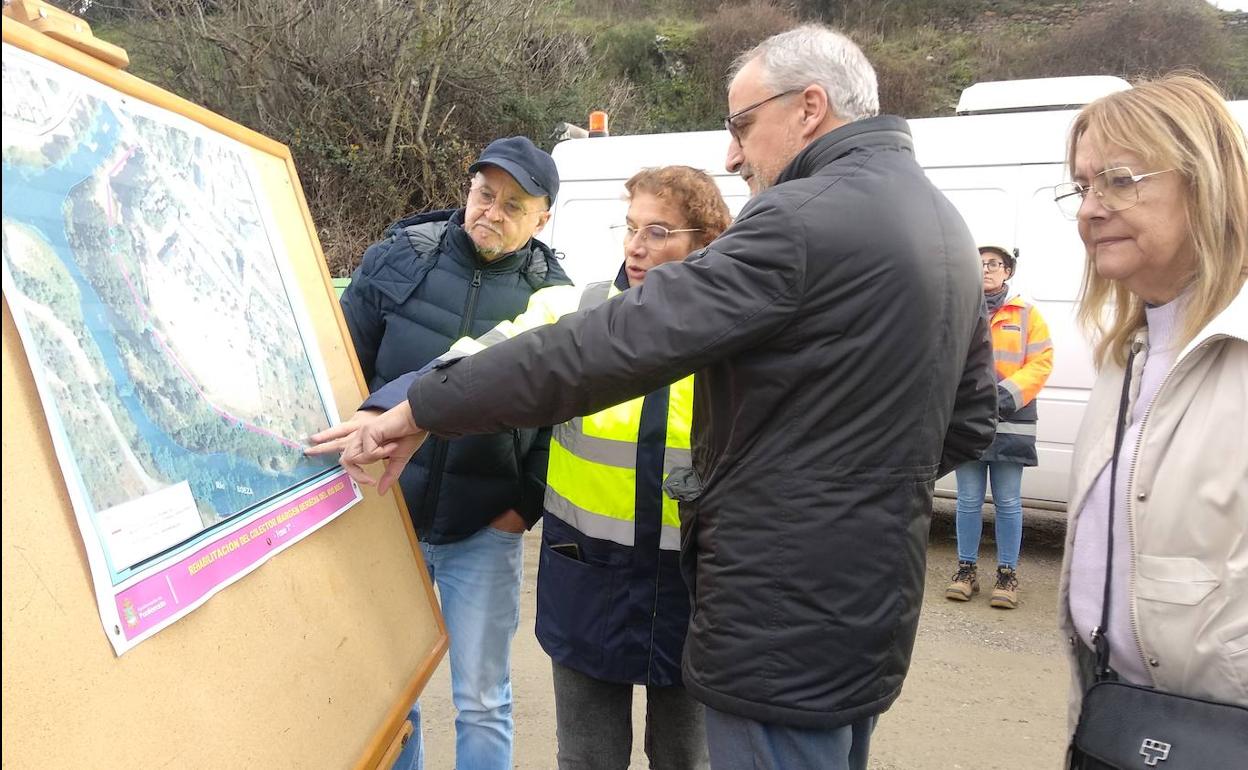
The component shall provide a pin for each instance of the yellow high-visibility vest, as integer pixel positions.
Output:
(591, 481)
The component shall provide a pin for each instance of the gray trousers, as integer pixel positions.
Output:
(594, 724)
(738, 743)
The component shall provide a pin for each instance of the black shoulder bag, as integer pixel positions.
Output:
(1128, 726)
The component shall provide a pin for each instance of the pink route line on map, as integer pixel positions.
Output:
(169, 351)
(116, 168)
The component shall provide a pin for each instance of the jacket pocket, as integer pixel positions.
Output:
(1174, 579)
(572, 608)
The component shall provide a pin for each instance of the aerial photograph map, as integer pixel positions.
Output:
(150, 295)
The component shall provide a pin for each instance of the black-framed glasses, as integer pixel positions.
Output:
(653, 236)
(730, 121)
(992, 265)
(1116, 188)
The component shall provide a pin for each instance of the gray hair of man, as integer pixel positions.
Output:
(814, 54)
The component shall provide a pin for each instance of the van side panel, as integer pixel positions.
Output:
(1013, 206)
(998, 170)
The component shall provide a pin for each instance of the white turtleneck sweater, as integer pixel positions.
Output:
(1087, 564)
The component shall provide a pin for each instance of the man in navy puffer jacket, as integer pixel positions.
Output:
(432, 279)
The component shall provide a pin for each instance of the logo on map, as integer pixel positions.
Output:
(127, 611)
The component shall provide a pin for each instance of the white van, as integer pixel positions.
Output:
(998, 161)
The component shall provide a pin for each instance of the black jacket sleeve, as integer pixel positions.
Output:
(533, 481)
(731, 296)
(974, 419)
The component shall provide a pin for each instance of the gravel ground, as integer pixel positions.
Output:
(986, 687)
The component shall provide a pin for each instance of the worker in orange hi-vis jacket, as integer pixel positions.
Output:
(1023, 354)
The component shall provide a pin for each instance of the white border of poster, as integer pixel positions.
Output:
(187, 574)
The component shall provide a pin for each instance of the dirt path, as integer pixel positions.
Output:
(986, 687)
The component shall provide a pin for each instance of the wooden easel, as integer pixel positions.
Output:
(310, 661)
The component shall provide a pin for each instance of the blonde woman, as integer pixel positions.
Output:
(1160, 192)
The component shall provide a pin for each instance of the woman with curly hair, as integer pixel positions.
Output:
(612, 607)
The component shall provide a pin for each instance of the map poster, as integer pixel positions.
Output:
(172, 352)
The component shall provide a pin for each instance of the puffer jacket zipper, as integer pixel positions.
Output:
(433, 492)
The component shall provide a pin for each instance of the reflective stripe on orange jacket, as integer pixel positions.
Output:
(1023, 354)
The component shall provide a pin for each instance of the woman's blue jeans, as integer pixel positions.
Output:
(1007, 483)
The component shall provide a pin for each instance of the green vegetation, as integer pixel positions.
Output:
(384, 103)
(166, 395)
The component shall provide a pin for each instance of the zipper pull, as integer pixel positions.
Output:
(476, 279)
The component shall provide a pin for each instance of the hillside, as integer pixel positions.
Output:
(384, 103)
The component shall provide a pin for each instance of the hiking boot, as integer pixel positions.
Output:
(965, 583)
(1005, 592)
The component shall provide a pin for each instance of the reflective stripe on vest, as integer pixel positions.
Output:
(591, 480)
(1017, 428)
(606, 451)
(1015, 392)
(620, 531)
(595, 294)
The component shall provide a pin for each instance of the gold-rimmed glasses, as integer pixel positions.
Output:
(652, 236)
(1116, 188)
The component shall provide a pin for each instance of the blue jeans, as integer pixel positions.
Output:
(738, 743)
(1007, 484)
(478, 581)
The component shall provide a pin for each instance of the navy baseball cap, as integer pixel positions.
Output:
(532, 168)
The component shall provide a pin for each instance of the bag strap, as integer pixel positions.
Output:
(1102, 671)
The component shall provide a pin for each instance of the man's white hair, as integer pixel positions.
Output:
(818, 55)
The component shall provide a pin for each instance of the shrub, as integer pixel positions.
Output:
(921, 71)
(383, 104)
(732, 30)
(1142, 39)
(883, 15)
